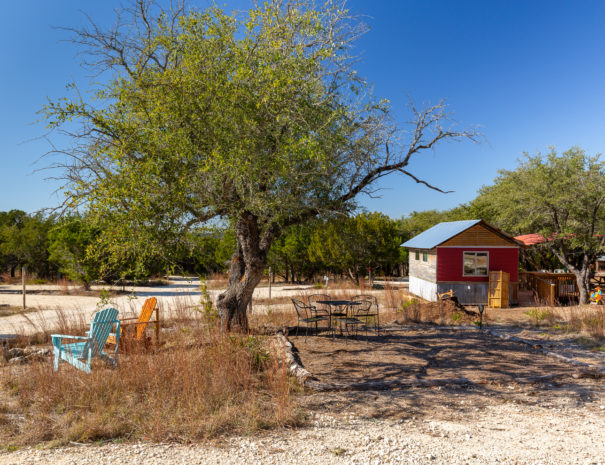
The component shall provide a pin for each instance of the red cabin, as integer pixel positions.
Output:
(458, 256)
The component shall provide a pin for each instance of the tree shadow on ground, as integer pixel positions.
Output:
(500, 371)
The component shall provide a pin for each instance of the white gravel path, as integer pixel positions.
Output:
(187, 292)
(505, 434)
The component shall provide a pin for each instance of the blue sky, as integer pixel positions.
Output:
(529, 74)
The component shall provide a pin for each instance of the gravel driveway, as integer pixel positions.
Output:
(507, 434)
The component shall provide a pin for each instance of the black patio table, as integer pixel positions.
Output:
(339, 304)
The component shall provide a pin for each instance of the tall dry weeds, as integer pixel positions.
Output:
(589, 319)
(223, 384)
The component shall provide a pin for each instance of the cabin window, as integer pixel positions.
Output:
(417, 255)
(475, 263)
(425, 256)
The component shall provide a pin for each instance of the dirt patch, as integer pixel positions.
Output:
(500, 371)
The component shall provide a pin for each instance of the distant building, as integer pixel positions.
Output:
(600, 264)
(459, 255)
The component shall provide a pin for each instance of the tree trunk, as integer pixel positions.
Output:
(581, 272)
(583, 280)
(247, 267)
(353, 276)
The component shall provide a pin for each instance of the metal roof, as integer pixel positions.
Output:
(438, 234)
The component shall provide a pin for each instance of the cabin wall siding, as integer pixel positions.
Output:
(467, 293)
(425, 289)
(449, 263)
(478, 236)
(426, 271)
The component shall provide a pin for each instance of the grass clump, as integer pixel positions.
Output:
(539, 315)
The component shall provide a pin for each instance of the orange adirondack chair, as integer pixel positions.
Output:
(140, 325)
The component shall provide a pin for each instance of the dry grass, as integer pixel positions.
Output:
(64, 284)
(589, 319)
(201, 384)
(395, 297)
(217, 281)
(442, 313)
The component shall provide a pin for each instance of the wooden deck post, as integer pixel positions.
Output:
(553, 289)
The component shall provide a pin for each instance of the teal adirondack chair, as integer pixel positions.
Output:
(80, 354)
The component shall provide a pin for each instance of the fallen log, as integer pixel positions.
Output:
(292, 359)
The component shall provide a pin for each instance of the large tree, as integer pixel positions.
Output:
(561, 197)
(258, 119)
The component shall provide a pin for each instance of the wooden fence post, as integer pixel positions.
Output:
(269, 283)
(23, 282)
(157, 326)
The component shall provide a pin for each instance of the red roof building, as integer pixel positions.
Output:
(531, 239)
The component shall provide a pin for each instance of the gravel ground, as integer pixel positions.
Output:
(506, 434)
(560, 424)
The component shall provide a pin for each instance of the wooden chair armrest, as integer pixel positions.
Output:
(67, 336)
(139, 323)
(56, 338)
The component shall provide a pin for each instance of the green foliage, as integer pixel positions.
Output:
(24, 241)
(562, 198)
(408, 303)
(551, 194)
(69, 243)
(255, 347)
(418, 222)
(104, 299)
(289, 254)
(205, 251)
(257, 120)
(356, 244)
(537, 315)
(208, 309)
(237, 115)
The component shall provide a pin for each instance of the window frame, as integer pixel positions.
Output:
(425, 257)
(417, 254)
(475, 252)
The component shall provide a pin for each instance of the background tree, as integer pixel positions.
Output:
(257, 119)
(69, 243)
(8, 222)
(289, 254)
(366, 242)
(24, 242)
(205, 251)
(560, 197)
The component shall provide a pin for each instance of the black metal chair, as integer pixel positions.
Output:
(305, 314)
(320, 309)
(368, 313)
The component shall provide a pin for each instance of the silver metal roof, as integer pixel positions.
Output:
(438, 234)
